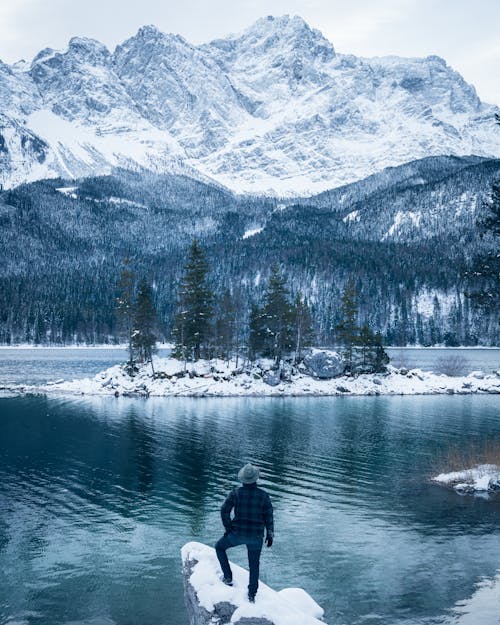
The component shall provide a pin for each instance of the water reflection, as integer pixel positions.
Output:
(97, 496)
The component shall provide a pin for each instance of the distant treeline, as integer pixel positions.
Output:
(62, 252)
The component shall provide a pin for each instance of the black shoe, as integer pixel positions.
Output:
(226, 580)
(251, 598)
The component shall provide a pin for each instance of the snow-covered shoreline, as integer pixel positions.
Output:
(216, 378)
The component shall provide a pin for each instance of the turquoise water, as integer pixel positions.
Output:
(98, 495)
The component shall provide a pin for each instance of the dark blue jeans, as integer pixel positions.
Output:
(254, 547)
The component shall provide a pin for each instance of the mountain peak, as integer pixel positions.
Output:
(87, 45)
(273, 23)
(150, 35)
(283, 34)
(149, 31)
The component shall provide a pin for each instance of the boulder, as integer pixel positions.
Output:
(478, 375)
(494, 484)
(343, 389)
(324, 364)
(273, 378)
(210, 602)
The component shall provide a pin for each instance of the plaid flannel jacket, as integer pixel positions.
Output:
(253, 511)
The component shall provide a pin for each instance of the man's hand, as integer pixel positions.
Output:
(269, 541)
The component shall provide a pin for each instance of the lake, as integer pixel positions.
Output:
(97, 496)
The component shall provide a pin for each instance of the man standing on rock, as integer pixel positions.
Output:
(253, 512)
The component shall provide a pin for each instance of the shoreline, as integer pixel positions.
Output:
(217, 378)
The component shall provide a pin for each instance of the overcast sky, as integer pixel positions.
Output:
(465, 32)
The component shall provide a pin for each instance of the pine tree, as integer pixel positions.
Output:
(271, 325)
(192, 325)
(302, 326)
(256, 340)
(374, 358)
(145, 324)
(347, 329)
(225, 326)
(124, 304)
(366, 340)
(277, 317)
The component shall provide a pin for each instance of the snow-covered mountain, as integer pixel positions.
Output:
(272, 108)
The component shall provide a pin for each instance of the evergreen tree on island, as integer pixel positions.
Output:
(271, 326)
(125, 304)
(192, 325)
(302, 326)
(363, 349)
(226, 326)
(374, 358)
(347, 329)
(145, 324)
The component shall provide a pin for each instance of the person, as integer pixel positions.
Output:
(253, 511)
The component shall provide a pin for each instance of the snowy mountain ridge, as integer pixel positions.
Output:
(272, 109)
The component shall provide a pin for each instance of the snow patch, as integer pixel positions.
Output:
(403, 219)
(252, 232)
(353, 216)
(69, 191)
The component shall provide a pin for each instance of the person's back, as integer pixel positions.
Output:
(253, 512)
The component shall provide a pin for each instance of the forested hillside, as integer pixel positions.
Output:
(405, 235)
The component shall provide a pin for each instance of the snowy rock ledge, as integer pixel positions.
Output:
(485, 478)
(217, 378)
(210, 602)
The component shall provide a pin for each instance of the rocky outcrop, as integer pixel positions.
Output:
(210, 602)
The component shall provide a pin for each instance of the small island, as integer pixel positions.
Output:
(319, 373)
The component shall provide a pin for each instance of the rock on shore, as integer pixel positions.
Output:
(210, 602)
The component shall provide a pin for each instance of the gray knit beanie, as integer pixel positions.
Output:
(248, 474)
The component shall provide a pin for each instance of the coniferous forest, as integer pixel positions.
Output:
(418, 243)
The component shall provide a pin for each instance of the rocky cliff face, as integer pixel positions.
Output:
(210, 602)
(272, 108)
